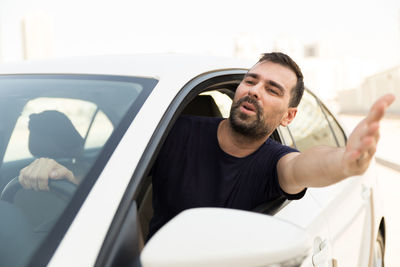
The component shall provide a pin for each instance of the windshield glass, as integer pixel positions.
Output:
(68, 120)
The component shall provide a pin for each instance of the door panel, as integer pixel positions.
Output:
(124, 250)
(348, 215)
(343, 206)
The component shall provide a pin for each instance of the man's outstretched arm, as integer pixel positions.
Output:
(322, 166)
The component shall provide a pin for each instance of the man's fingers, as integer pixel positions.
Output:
(371, 151)
(365, 149)
(22, 180)
(63, 173)
(378, 108)
(373, 128)
(376, 113)
(374, 131)
(389, 99)
(354, 155)
(43, 183)
(70, 177)
(37, 174)
(362, 142)
(26, 176)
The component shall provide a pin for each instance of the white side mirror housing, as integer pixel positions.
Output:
(226, 237)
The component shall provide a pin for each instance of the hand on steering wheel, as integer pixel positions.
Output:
(62, 188)
(37, 174)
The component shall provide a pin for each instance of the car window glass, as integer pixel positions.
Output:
(223, 102)
(338, 131)
(78, 111)
(287, 138)
(310, 127)
(68, 119)
(99, 131)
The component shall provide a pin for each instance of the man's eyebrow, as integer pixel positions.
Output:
(253, 75)
(277, 85)
(270, 82)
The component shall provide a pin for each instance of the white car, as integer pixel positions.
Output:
(123, 107)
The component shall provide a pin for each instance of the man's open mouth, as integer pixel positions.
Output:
(249, 107)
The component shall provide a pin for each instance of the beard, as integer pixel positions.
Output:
(252, 127)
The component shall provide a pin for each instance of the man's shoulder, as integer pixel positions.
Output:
(272, 142)
(274, 145)
(188, 125)
(199, 118)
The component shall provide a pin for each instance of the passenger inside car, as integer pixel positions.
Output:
(52, 138)
(51, 135)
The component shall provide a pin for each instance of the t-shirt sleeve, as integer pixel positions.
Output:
(279, 151)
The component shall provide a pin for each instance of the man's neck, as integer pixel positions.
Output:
(236, 144)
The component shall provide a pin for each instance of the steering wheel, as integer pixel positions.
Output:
(62, 187)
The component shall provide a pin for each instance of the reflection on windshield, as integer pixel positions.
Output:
(54, 127)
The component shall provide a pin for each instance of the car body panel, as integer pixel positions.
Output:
(325, 213)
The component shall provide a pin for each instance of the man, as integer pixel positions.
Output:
(233, 163)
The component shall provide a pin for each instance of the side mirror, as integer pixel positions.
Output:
(226, 237)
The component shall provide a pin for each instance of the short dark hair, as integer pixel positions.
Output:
(286, 61)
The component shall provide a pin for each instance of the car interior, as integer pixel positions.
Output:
(202, 105)
(28, 215)
(37, 211)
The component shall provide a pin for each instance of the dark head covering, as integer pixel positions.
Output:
(53, 135)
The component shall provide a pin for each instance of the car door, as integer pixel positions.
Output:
(348, 206)
(208, 94)
(345, 205)
(73, 119)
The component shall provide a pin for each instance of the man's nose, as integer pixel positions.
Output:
(254, 91)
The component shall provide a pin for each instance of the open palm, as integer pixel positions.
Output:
(362, 142)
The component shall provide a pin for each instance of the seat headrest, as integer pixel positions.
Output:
(52, 135)
(202, 105)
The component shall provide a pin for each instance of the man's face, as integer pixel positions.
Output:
(261, 101)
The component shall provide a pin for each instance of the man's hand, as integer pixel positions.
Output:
(362, 142)
(323, 165)
(36, 175)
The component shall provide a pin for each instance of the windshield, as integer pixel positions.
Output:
(75, 120)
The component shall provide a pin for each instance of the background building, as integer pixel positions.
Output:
(340, 45)
(359, 100)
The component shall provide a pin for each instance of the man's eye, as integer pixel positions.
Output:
(272, 91)
(249, 82)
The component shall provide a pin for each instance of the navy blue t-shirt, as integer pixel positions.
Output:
(192, 170)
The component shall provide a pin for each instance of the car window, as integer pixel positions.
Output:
(83, 115)
(222, 100)
(99, 131)
(75, 120)
(286, 136)
(310, 127)
(338, 131)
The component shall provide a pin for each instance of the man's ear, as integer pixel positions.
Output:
(289, 116)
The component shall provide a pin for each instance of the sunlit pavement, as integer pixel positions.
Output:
(388, 150)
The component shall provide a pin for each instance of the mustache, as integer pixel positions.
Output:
(249, 100)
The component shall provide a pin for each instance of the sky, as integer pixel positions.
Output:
(363, 32)
(100, 26)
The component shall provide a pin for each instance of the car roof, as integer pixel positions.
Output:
(158, 66)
